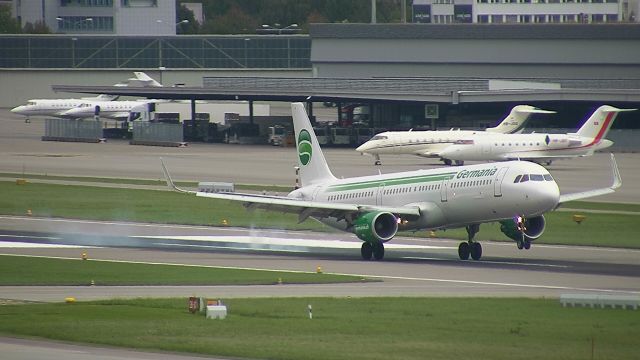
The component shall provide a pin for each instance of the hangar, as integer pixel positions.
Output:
(399, 68)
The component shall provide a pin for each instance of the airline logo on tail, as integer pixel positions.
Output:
(304, 147)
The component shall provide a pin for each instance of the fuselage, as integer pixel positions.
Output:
(449, 197)
(421, 143)
(106, 108)
(524, 146)
(47, 107)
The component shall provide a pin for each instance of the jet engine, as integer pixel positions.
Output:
(533, 228)
(376, 226)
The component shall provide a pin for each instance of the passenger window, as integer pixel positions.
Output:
(524, 178)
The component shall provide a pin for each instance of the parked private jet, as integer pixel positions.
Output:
(111, 109)
(58, 107)
(429, 143)
(542, 148)
(375, 208)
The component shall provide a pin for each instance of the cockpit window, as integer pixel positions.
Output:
(524, 178)
(536, 177)
(379, 137)
(548, 177)
(517, 179)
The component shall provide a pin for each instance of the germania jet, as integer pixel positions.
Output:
(542, 148)
(430, 143)
(58, 107)
(375, 208)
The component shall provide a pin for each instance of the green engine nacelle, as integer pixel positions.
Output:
(534, 227)
(376, 226)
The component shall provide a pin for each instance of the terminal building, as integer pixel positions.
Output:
(114, 17)
(524, 11)
(398, 70)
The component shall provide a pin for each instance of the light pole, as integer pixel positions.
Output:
(277, 30)
(74, 24)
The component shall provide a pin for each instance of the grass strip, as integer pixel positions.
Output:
(159, 182)
(25, 270)
(115, 204)
(341, 328)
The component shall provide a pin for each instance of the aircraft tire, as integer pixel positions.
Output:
(527, 244)
(378, 251)
(463, 251)
(476, 250)
(366, 251)
(447, 162)
(520, 244)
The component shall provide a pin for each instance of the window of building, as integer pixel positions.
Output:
(139, 3)
(95, 3)
(512, 18)
(597, 18)
(496, 19)
(612, 17)
(554, 18)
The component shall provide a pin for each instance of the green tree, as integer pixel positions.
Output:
(39, 27)
(183, 13)
(8, 25)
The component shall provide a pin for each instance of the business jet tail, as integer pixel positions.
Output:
(517, 118)
(312, 165)
(615, 183)
(598, 124)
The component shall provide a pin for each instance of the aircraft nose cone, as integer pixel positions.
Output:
(362, 148)
(549, 195)
(16, 109)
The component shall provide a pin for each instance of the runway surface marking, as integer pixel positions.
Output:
(382, 277)
(30, 237)
(490, 262)
(298, 242)
(24, 245)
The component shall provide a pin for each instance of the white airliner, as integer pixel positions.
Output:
(375, 208)
(429, 143)
(538, 147)
(58, 107)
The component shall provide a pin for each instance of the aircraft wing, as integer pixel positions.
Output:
(616, 183)
(303, 208)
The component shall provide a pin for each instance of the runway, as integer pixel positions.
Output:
(412, 267)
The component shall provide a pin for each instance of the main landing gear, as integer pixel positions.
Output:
(375, 249)
(470, 247)
(523, 244)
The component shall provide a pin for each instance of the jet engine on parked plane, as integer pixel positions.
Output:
(375, 226)
(522, 230)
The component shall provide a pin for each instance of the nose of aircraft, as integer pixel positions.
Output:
(364, 147)
(17, 109)
(548, 195)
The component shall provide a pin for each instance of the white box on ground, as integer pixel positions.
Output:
(216, 311)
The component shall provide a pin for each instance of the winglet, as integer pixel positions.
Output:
(170, 182)
(616, 183)
(617, 179)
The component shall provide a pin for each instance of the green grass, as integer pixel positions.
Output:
(342, 328)
(86, 202)
(159, 182)
(20, 270)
